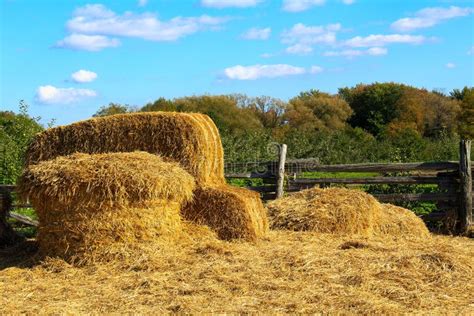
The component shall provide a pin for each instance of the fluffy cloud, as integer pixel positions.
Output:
(83, 76)
(429, 17)
(471, 51)
(301, 38)
(299, 49)
(91, 43)
(257, 34)
(316, 70)
(300, 5)
(92, 24)
(52, 95)
(220, 4)
(450, 65)
(308, 35)
(351, 53)
(142, 3)
(383, 40)
(262, 71)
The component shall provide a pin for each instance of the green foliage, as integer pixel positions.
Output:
(466, 120)
(374, 105)
(16, 132)
(112, 109)
(314, 110)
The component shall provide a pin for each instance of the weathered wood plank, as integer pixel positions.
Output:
(262, 189)
(376, 180)
(381, 167)
(465, 198)
(250, 175)
(281, 171)
(411, 197)
(23, 219)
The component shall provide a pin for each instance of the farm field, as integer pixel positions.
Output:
(287, 272)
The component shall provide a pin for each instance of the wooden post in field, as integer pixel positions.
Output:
(465, 173)
(281, 171)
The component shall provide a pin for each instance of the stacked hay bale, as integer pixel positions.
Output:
(86, 203)
(190, 139)
(343, 212)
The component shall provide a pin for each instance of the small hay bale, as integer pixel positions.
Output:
(230, 211)
(400, 222)
(88, 202)
(188, 138)
(332, 210)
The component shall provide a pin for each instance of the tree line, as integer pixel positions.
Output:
(377, 122)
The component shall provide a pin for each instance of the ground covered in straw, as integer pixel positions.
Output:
(287, 272)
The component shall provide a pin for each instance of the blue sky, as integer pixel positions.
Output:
(68, 58)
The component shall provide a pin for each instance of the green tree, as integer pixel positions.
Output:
(112, 109)
(466, 119)
(315, 111)
(374, 105)
(223, 110)
(16, 133)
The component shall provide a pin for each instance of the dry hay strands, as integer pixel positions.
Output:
(104, 180)
(87, 203)
(108, 235)
(188, 138)
(229, 211)
(400, 222)
(332, 210)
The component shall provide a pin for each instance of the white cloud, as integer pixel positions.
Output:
(450, 65)
(257, 34)
(471, 51)
(348, 2)
(87, 42)
(316, 69)
(429, 17)
(301, 5)
(267, 55)
(377, 51)
(301, 37)
(83, 76)
(382, 40)
(303, 34)
(262, 71)
(98, 20)
(351, 53)
(299, 49)
(52, 95)
(142, 3)
(220, 4)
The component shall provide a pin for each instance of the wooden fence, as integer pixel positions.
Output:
(454, 180)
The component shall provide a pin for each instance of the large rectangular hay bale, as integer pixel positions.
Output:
(188, 138)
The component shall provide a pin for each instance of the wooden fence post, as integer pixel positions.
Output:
(465, 199)
(281, 171)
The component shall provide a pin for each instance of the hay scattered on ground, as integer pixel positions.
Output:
(343, 211)
(334, 210)
(288, 272)
(230, 211)
(89, 203)
(188, 138)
